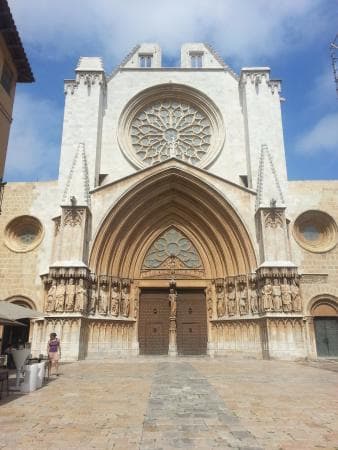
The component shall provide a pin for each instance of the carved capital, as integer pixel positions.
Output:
(57, 225)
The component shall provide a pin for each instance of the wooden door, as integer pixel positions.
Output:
(191, 322)
(154, 322)
(326, 329)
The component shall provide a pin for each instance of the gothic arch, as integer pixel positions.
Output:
(172, 197)
(323, 305)
(22, 301)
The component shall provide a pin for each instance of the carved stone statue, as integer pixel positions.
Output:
(231, 299)
(276, 296)
(103, 299)
(173, 303)
(243, 299)
(51, 297)
(267, 295)
(136, 306)
(295, 295)
(286, 296)
(221, 308)
(81, 298)
(60, 294)
(70, 295)
(115, 300)
(136, 299)
(253, 298)
(125, 301)
(210, 303)
(93, 299)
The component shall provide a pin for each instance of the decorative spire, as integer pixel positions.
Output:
(269, 191)
(220, 60)
(77, 186)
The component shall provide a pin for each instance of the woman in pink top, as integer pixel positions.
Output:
(54, 353)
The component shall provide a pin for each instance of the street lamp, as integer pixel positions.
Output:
(2, 189)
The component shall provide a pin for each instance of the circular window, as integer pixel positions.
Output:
(23, 233)
(170, 129)
(315, 231)
(171, 121)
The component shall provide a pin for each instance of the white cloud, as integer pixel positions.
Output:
(243, 30)
(323, 92)
(322, 137)
(33, 148)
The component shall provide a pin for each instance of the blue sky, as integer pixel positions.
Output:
(290, 36)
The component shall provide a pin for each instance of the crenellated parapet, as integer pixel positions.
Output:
(70, 86)
(258, 76)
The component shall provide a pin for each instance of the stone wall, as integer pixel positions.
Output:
(321, 196)
(20, 269)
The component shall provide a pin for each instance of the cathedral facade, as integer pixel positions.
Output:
(172, 228)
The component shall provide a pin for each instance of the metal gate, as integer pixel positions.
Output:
(326, 330)
(154, 322)
(191, 322)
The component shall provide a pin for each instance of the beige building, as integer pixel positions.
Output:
(172, 228)
(14, 68)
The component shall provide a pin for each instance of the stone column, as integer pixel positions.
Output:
(136, 307)
(310, 337)
(172, 319)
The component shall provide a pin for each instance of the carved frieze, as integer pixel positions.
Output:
(273, 219)
(250, 295)
(66, 295)
(70, 86)
(90, 78)
(73, 216)
(277, 291)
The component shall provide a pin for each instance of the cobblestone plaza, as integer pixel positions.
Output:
(192, 402)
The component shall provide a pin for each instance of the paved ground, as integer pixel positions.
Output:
(192, 403)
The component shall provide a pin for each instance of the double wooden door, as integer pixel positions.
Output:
(191, 322)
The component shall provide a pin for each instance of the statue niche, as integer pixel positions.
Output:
(125, 300)
(115, 299)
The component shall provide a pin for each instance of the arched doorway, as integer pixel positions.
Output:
(173, 252)
(214, 244)
(325, 313)
(172, 198)
(17, 335)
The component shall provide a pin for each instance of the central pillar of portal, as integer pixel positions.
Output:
(172, 319)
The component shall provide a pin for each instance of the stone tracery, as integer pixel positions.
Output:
(172, 243)
(170, 129)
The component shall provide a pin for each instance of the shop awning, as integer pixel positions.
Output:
(11, 311)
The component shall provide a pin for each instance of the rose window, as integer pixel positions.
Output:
(170, 129)
(172, 243)
(23, 233)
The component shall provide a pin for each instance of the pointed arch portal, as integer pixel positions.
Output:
(172, 225)
(172, 199)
